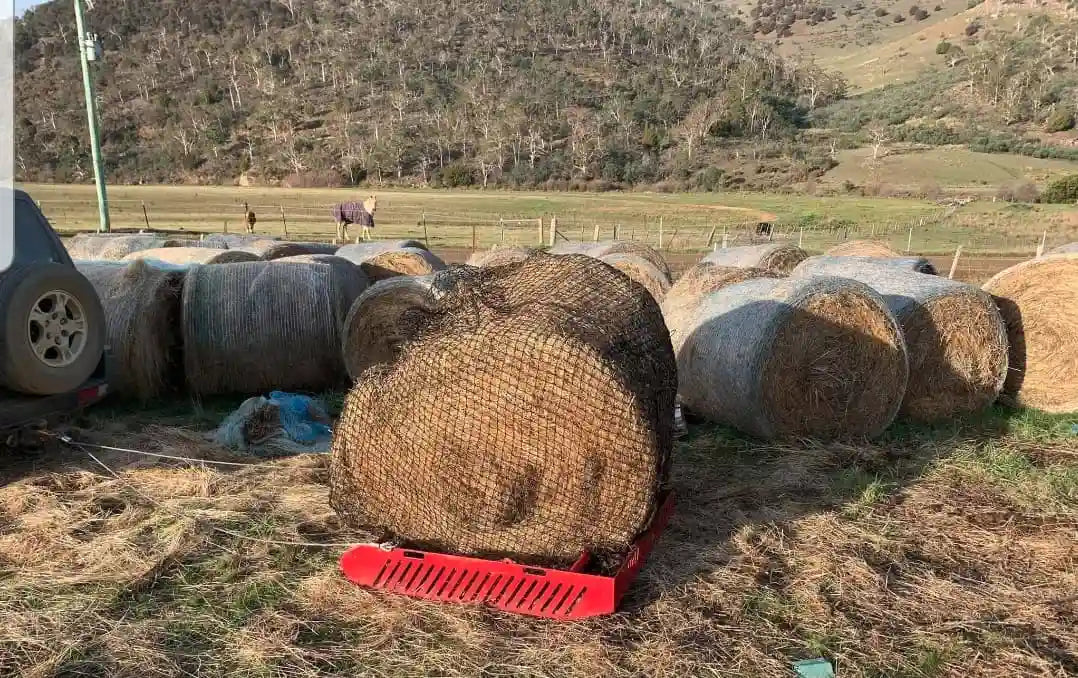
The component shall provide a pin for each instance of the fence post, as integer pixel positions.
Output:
(540, 241)
(145, 215)
(284, 221)
(660, 231)
(423, 223)
(595, 235)
(954, 262)
(474, 246)
(553, 231)
(801, 237)
(617, 232)
(711, 236)
(246, 211)
(909, 241)
(1040, 248)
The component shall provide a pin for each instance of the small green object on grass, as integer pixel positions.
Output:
(814, 668)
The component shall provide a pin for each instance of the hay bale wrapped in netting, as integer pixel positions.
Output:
(773, 257)
(499, 256)
(642, 271)
(1069, 248)
(531, 418)
(826, 262)
(955, 337)
(794, 358)
(694, 285)
(229, 241)
(604, 248)
(349, 280)
(193, 255)
(360, 252)
(106, 247)
(1039, 302)
(142, 313)
(268, 250)
(259, 327)
(863, 248)
(379, 265)
(377, 326)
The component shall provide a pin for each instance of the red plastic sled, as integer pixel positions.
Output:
(505, 585)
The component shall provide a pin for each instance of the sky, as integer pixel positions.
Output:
(21, 5)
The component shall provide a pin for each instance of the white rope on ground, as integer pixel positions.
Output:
(238, 535)
(190, 460)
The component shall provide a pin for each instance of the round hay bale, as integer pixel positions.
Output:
(360, 252)
(142, 312)
(106, 247)
(1069, 248)
(824, 263)
(571, 248)
(602, 249)
(193, 255)
(794, 358)
(282, 250)
(863, 248)
(1039, 302)
(408, 261)
(955, 337)
(228, 241)
(773, 257)
(484, 437)
(349, 280)
(258, 247)
(642, 271)
(375, 330)
(260, 326)
(693, 286)
(499, 256)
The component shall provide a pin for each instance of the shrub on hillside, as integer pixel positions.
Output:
(456, 175)
(1062, 191)
(943, 47)
(1019, 191)
(1060, 120)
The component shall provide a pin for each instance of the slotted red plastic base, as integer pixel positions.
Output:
(505, 585)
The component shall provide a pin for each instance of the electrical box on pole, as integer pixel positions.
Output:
(90, 51)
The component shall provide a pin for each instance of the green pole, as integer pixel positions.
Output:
(91, 119)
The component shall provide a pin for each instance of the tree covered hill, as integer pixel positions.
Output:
(449, 92)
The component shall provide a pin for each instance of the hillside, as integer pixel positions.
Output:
(449, 93)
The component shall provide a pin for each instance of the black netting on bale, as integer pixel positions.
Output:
(531, 417)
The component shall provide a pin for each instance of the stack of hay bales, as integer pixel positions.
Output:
(109, 247)
(379, 325)
(641, 263)
(268, 250)
(642, 271)
(793, 358)
(193, 255)
(776, 257)
(531, 418)
(260, 326)
(955, 337)
(349, 280)
(229, 241)
(913, 264)
(142, 310)
(499, 256)
(380, 261)
(1039, 302)
(863, 248)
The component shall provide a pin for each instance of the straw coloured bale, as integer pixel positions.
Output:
(1039, 302)
(863, 248)
(408, 261)
(108, 247)
(773, 257)
(531, 418)
(142, 311)
(349, 280)
(499, 256)
(193, 255)
(361, 252)
(376, 328)
(823, 263)
(679, 306)
(602, 249)
(955, 337)
(640, 270)
(792, 358)
(257, 327)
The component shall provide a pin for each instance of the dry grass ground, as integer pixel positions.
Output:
(950, 551)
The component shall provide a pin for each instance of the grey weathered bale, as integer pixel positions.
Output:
(795, 357)
(955, 336)
(109, 247)
(777, 257)
(268, 250)
(261, 326)
(824, 263)
(360, 252)
(349, 280)
(192, 255)
(1069, 248)
(228, 241)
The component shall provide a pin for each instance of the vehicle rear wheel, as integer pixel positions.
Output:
(52, 329)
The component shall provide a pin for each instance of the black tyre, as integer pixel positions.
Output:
(52, 329)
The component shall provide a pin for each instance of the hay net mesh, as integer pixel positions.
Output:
(530, 417)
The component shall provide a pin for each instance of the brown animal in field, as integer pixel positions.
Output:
(251, 221)
(348, 213)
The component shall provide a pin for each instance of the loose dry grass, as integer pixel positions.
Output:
(937, 553)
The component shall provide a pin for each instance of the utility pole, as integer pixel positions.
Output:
(88, 51)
